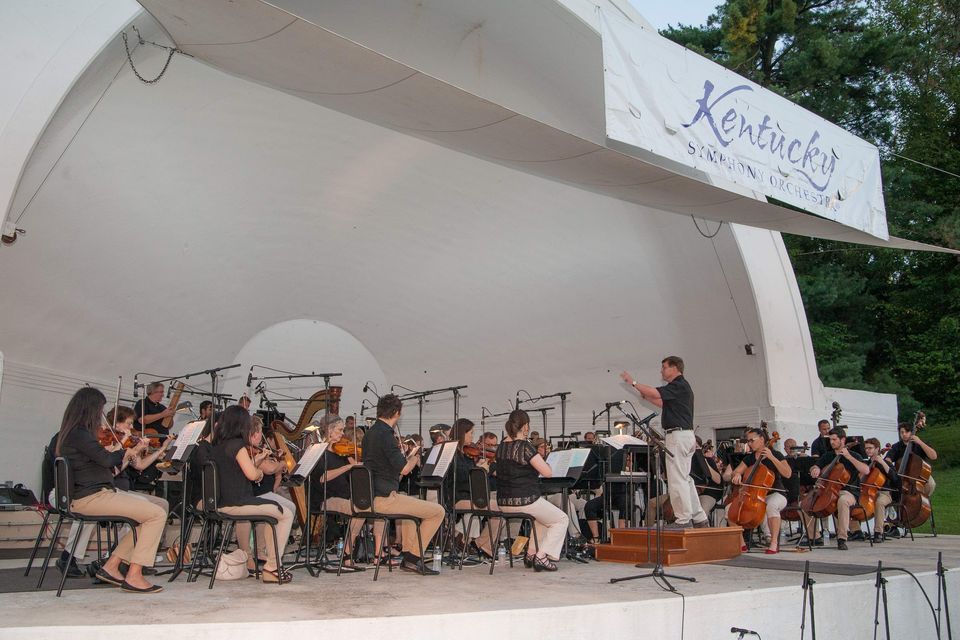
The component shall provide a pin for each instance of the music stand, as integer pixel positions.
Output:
(300, 475)
(657, 445)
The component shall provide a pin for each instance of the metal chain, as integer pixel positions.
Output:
(126, 45)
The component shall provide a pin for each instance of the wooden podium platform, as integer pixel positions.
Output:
(680, 546)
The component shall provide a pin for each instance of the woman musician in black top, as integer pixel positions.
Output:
(518, 490)
(776, 498)
(94, 494)
(331, 488)
(233, 439)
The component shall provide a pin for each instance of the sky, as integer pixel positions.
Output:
(662, 14)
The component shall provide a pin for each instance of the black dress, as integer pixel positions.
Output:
(518, 483)
(235, 488)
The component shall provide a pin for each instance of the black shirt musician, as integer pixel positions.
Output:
(855, 466)
(773, 460)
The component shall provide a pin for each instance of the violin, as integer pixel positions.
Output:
(347, 448)
(914, 472)
(748, 501)
(477, 453)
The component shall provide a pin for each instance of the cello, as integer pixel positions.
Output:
(748, 502)
(870, 486)
(914, 472)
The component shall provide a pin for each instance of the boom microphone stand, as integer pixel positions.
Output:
(658, 445)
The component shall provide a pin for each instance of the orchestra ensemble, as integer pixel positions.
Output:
(115, 456)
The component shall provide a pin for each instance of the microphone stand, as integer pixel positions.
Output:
(563, 408)
(658, 445)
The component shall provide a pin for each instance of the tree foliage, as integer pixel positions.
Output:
(888, 71)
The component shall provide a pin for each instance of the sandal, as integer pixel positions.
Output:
(771, 552)
(273, 576)
(529, 561)
(543, 564)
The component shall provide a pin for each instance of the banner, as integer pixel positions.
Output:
(677, 105)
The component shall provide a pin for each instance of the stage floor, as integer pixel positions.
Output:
(582, 592)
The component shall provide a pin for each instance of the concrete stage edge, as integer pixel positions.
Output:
(576, 602)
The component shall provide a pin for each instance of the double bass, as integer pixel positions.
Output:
(914, 473)
(748, 501)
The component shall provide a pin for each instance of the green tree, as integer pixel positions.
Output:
(889, 71)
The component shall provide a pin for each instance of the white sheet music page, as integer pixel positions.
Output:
(559, 462)
(188, 436)
(432, 456)
(446, 456)
(309, 459)
(618, 441)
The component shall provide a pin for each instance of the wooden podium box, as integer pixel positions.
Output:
(679, 546)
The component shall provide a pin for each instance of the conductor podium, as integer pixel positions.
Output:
(679, 546)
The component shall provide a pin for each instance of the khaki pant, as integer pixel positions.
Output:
(844, 502)
(149, 511)
(550, 524)
(342, 506)
(680, 486)
(284, 518)
(573, 522)
(264, 539)
(884, 500)
(430, 513)
(707, 503)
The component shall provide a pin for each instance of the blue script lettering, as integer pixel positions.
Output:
(815, 164)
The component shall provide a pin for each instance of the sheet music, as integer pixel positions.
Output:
(188, 436)
(447, 449)
(618, 441)
(432, 456)
(561, 462)
(309, 459)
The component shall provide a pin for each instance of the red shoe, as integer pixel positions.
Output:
(743, 548)
(772, 552)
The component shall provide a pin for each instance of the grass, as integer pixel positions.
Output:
(945, 438)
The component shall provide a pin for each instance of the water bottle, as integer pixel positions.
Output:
(340, 548)
(502, 554)
(437, 559)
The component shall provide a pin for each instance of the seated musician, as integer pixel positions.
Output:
(233, 438)
(850, 493)
(774, 461)
(387, 464)
(94, 494)
(518, 490)
(922, 449)
(330, 490)
(267, 488)
(458, 483)
(206, 410)
(124, 419)
(410, 483)
(884, 496)
(821, 444)
(589, 438)
(706, 476)
(149, 412)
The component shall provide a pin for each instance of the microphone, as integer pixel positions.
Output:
(250, 377)
(517, 403)
(743, 632)
(169, 389)
(135, 386)
(649, 418)
(617, 404)
(594, 421)
(366, 387)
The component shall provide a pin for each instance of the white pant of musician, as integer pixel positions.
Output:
(550, 524)
(264, 533)
(682, 489)
(844, 502)
(573, 522)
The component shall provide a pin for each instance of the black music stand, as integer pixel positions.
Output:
(656, 446)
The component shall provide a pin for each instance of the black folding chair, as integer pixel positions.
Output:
(212, 514)
(480, 508)
(62, 485)
(361, 504)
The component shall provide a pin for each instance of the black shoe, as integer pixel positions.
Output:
(543, 564)
(71, 569)
(841, 544)
(856, 535)
(416, 565)
(528, 561)
(818, 542)
(154, 588)
(704, 524)
(877, 538)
